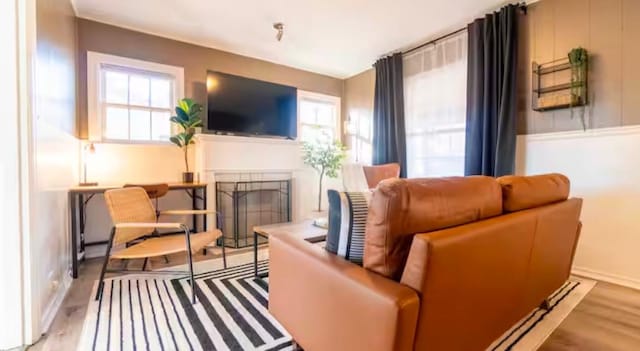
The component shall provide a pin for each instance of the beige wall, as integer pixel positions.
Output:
(358, 95)
(54, 158)
(552, 28)
(196, 60)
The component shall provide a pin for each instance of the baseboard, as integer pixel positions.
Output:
(607, 277)
(50, 313)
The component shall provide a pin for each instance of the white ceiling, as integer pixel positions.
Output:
(338, 38)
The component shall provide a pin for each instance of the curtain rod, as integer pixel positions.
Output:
(523, 8)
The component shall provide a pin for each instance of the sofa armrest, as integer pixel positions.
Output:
(328, 303)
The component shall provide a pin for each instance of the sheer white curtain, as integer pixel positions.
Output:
(435, 93)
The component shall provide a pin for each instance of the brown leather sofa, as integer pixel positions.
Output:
(450, 264)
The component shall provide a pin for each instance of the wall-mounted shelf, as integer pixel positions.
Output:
(553, 68)
(564, 91)
(561, 103)
(559, 87)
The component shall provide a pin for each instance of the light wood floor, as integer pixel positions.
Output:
(608, 318)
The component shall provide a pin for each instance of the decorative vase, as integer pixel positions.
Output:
(187, 177)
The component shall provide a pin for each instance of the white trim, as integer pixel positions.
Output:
(94, 84)
(28, 117)
(74, 6)
(244, 139)
(579, 134)
(336, 100)
(50, 313)
(607, 277)
(15, 300)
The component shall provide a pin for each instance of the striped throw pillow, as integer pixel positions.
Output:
(348, 213)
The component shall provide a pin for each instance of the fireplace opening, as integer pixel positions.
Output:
(245, 204)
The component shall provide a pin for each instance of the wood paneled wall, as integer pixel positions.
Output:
(610, 31)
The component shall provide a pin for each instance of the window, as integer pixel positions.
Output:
(131, 100)
(319, 117)
(360, 131)
(435, 89)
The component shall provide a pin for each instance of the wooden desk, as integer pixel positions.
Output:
(79, 196)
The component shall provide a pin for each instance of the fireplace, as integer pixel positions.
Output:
(245, 204)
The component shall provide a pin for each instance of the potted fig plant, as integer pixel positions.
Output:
(187, 119)
(326, 158)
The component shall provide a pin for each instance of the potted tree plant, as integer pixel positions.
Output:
(326, 158)
(188, 119)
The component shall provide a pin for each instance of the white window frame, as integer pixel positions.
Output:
(95, 110)
(335, 100)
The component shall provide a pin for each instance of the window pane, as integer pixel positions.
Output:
(364, 124)
(140, 124)
(307, 112)
(139, 91)
(435, 107)
(116, 87)
(325, 114)
(160, 125)
(161, 93)
(316, 112)
(314, 134)
(116, 123)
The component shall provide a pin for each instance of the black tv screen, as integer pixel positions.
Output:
(247, 106)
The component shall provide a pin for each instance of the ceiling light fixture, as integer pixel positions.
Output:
(280, 28)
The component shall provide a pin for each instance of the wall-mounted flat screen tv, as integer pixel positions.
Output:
(243, 106)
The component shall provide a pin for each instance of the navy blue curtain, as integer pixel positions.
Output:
(491, 94)
(389, 140)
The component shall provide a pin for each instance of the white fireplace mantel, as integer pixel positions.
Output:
(224, 153)
(257, 159)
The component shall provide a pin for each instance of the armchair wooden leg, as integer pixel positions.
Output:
(144, 264)
(224, 255)
(190, 262)
(105, 264)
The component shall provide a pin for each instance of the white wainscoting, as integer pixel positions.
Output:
(604, 168)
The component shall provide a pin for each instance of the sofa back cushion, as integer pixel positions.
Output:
(399, 208)
(524, 192)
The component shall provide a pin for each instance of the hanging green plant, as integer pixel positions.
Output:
(578, 59)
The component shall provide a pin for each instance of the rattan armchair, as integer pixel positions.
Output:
(134, 216)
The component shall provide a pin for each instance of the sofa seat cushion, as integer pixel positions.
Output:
(401, 208)
(524, 192)
(348, 213)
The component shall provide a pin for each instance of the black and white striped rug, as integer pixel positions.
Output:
(151, 313)
(147, 313)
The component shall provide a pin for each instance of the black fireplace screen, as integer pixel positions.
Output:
(245, 204)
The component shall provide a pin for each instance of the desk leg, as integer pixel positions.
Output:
(255, 255)
(73, 204)
(83, 220)
(204, 207)
(194, 206)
